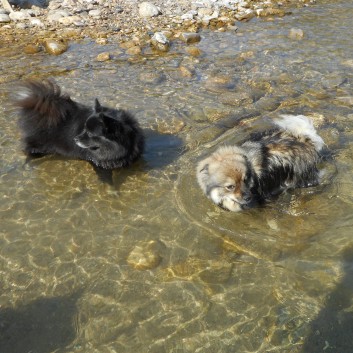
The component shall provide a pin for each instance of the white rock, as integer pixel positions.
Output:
(147, 9)
(95, 13)
(4, 18)
(19, 15)
(36, 22)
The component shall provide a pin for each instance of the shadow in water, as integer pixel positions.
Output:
(160, 151)
(331, 331)
(42, 326)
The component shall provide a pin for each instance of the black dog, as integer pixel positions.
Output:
(52, 123)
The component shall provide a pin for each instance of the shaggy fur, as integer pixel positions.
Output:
(239, 177)
(52, 123)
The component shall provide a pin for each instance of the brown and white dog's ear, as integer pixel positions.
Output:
(203, 174)
(203, 168)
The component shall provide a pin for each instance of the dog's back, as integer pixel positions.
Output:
(48, 120)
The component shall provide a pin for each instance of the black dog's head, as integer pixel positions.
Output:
(108, 137)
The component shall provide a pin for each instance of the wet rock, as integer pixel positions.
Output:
(32, 49)
(193, 51)
(4, 18)
(160, 42)
(236, 98)
(219, 83)
(54, 47)
(271, 12)
(147, 9)
(245, 15)
(135, 50)
(188, 37)
(127, 44)
(153, 78)
(186, 72)
(146, 256)
(105, 56)
(296, 33)
(170, 126)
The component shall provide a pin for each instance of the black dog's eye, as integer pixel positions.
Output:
(230, 187)
(94, 148)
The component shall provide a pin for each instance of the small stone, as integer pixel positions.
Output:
(95, 13)
(160, 42)
(4, 18)
(36, 22)
(105, 56)
(55, 47)
(189, 37)
(296, 33)
(32, 49)
(186, 72)
(147, 9)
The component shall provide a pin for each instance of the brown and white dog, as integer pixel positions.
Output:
(239, 177)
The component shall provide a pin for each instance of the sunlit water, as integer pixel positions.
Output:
(148, 264)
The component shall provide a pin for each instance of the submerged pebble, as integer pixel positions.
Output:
(55, 47)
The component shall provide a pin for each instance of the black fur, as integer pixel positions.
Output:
(52, 123)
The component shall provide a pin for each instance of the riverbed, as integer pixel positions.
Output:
(146, 263)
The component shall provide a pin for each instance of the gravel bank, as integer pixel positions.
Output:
(129, 20)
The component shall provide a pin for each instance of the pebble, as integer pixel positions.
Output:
(160, 42)
(147, 9)
(54, 47)
(56, 15)
(153, 78)
(95, 13)
(105, 56)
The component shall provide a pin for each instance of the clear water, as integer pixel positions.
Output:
(148, 264)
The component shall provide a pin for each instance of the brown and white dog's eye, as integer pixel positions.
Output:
(230, 187)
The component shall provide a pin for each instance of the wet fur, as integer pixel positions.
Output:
(239, 177)
(52, 123)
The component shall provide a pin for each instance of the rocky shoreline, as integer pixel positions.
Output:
(131, 23)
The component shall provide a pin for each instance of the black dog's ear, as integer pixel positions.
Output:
(97, 106)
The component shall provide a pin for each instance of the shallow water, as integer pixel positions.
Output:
(148, 264)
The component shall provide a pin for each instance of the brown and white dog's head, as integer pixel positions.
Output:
(227, 178)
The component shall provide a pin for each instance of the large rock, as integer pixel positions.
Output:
(147, 9)
(54, 47)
